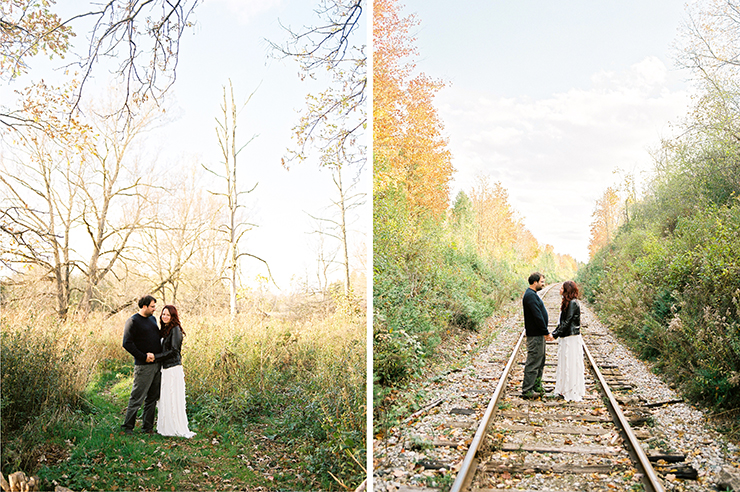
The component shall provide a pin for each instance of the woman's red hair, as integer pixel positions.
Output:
(570, 292)
(164, 329)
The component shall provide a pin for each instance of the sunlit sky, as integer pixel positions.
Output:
(547, 98)
(550, 98)
(229, 41)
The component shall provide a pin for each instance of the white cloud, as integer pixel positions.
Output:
(557, 155)
(648, 74)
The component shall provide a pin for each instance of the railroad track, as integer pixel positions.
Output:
(571, 445)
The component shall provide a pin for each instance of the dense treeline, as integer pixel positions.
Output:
(668, 282)
(438, 266)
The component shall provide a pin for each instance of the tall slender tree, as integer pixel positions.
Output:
(409, 149)
(235, 227)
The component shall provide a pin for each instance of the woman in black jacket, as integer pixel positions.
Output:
(172, 420)
(569, 378)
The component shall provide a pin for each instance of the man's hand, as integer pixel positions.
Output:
(149, 357)
(549, 338)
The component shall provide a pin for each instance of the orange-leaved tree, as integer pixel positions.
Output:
(608, 216)
(410, 152)
(497, 225)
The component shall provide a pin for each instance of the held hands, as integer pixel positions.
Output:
(149, 357)
(549, 338)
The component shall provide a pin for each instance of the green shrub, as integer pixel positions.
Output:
(42, 371)
(673, 296)
(396, 356)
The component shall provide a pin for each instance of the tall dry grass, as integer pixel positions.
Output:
(306, 376)
(46, 365)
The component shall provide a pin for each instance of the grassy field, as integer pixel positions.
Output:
(276, 405)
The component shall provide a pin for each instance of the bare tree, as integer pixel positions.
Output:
(37, 215)
(710, 48)
(74, 178)
(333, 122)
(235, 228)
(41, 183)
(711, 39)
(347, 199)
(184, 217)
(325, 258)
(115, 197)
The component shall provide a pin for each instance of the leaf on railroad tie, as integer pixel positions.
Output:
(568, 442)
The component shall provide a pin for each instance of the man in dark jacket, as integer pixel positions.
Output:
(535, 326)
(141, 339)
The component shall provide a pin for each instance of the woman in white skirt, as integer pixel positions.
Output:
(172, 420)
(569, 376)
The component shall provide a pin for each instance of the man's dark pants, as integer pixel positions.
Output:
(147, 382)
(535, 365)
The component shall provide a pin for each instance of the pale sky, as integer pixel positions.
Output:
(228, 41)
(550, 98)
(547, 98)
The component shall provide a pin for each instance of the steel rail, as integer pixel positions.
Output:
(467, 469)
(653, 482)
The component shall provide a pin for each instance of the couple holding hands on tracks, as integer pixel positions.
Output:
(569, 376)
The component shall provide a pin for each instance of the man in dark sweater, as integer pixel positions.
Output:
(141, 339)
(535, 327)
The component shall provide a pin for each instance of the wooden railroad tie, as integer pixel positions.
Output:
(539, 448)
(583, 431)
(496, 467)
(559, 416)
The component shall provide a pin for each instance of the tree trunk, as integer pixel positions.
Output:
(343, 231)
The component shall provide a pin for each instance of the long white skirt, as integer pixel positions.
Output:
(172, 419)
(569, 378)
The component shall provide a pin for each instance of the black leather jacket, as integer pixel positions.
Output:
(570, 321)
(171, 345)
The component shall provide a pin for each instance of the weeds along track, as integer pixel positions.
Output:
(589, 445)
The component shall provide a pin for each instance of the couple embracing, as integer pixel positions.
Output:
(569, 377)
(159, 380)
